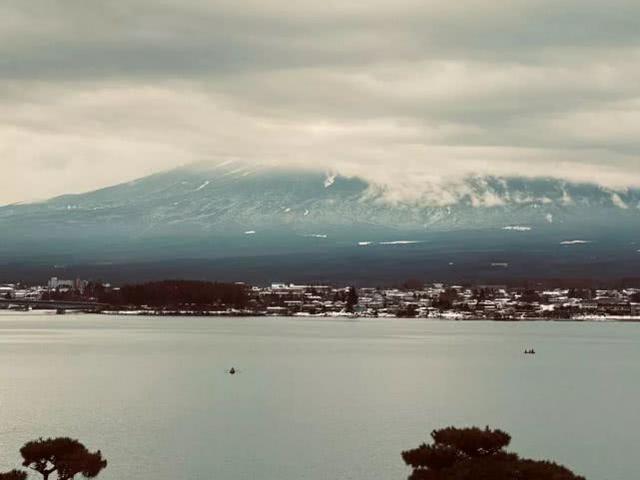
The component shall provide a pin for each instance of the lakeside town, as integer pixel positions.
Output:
(413, 299)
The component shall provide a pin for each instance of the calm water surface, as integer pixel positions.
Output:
(316, 399)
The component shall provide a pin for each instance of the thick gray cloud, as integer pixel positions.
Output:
(411, 93)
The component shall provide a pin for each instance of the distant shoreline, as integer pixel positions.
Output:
(448, 318)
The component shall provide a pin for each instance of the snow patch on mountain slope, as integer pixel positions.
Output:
(330, 180)
(566, 198)
(204, 185)
(400, 242)
(391, 242)
(618, 202)
(517, 228)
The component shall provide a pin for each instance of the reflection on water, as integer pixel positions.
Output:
(314, 398)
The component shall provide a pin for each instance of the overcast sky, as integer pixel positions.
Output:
(406, 92)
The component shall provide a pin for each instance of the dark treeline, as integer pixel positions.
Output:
(173, 293)
(477, 454)
(63, 457)
(166, 294)
(453, 454)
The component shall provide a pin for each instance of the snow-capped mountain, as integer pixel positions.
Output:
(233, 210)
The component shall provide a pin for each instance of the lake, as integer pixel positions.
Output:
(314, 399)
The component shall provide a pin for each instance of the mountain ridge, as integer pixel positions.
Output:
(184, 194)
(237, 211)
